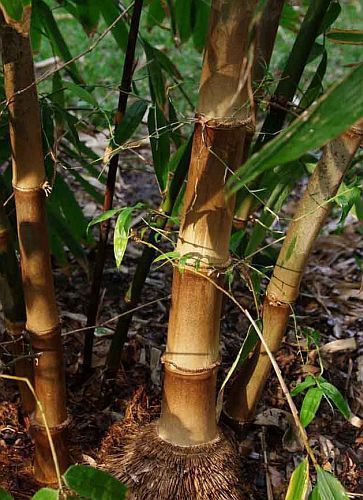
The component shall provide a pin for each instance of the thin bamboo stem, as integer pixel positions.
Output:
(12, 300)
(28, 184)
(133, 294)
(192, 352)
(283, 289)
(125, 89)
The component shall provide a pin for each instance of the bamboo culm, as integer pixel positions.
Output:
(125, 89)
(12, 300)
(29, 189)
(283, 289)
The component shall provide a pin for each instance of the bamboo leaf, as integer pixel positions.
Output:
(157, 84)
(314, 495)
(88, 12)
(167, 256)
(331, 16)
(4, 495)
(323, 121)
(329, 487)
(316, 85)
(310, 405)
(93, 483)
(104, 216)
(200, 10)
(81, 92)
(56, 38)
(160, 145)
(299, 482)
(348, 37)
(132, 119)
(335, 396)
(110, 11)
(46, 494)
(13, 9)
(305, 384)
(183, 10)
(121, 235)
(155, 14)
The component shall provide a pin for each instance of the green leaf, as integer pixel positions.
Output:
(4, 495)
(335, 396)
(329, 487)
(160, 145)
(316, 85)
(156, 14)
(309, 381)
(310, 405)
(200, 11)
(348, 37)
(299, 482)
(157, 84)
(347, 197)
(93, 483)
(314, 495)
(291, 249)
(331, 16)
(81, 92)
(167, 256)
(56, 38)
(104, 216)
(46, 494)
(121, 235)
(132, 119)
(110, 11)
(88, 12)
(183, 18)
(323, 121)
(247, 346)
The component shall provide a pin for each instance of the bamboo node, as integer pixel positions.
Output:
(222, 123)
(36, 426)
(189, 371)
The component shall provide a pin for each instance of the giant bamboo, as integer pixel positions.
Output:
(29, 190)
(185, 455)
(283, 289)
(12, 300)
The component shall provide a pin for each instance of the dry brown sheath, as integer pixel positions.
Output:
(283, 289)
(28, 181)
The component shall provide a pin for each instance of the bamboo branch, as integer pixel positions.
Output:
(125, 88)
(283, 289)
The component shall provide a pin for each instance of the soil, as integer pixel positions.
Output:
(331, 303)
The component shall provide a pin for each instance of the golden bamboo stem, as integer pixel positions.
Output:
(28, 182)
(283, 289)
(192, 354)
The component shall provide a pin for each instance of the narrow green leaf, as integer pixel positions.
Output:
(132, 119)
(329, 487)
(335, 396)
(13, 9)
(299, 482)
(93, 483)
(305, 384)
(121, 235)
(88, 13)
(110, 10)
(81, 92)
(310, 405)
(183, 18)
(348, 37)
(167, 256)
(323, 121)
(157, 84)
(160, 145)
(316, 85)
(200, 10)
(331, 16)
(56, 38)
(104, 216)
(4, 495)
(155, 14)
(46, 494)
(291, 249)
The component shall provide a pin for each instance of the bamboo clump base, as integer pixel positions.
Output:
(154, 468)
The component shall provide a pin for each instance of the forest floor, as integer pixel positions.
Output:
(331, 303)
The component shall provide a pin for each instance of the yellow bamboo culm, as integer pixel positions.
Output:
(283, 289)
(28, 184)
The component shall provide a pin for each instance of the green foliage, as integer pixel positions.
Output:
(348, 37)
(299, 482)
(328, 486)
(93, 484)
(13, 9)
(46, 494)
(4, 495)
